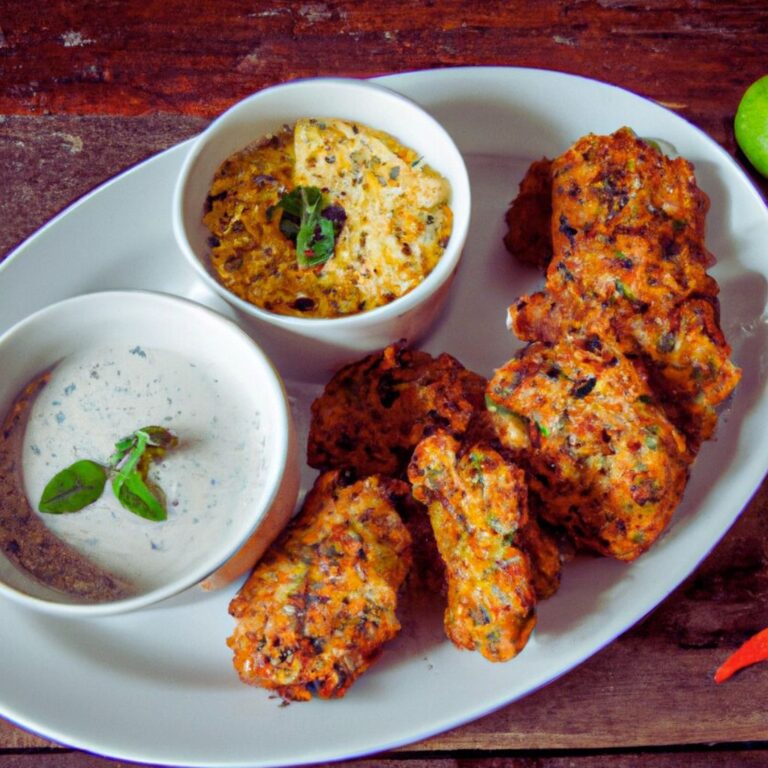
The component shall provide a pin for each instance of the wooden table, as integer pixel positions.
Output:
(88, 89)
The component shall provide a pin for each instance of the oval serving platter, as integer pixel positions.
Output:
(158, 686)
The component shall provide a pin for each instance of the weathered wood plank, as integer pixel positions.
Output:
(156, 56)
(726, 758)
(48, 162)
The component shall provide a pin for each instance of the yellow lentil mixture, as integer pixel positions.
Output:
(396, 226)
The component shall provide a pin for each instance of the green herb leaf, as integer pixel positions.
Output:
(73, 488)
(127, 463)
(134, 494)
(133, 456)
(304, 221)
(121, 448)
(82, 483)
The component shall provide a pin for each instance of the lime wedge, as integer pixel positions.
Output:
(751, 124)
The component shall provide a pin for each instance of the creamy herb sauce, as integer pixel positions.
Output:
(100, 395)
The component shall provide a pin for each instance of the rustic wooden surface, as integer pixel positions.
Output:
(89, 88)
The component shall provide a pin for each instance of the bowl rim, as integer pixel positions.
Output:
(271, 382)
(426, 288)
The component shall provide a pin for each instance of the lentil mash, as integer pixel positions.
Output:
(396, 226)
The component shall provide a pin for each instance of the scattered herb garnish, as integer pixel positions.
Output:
(311, 224)
(83, 482)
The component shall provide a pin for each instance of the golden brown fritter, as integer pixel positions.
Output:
(629, 263)
(426, 578)
(315, 612)
(477, 505)
(529, 217)
(543, 551)
(600, 454)
(374, 412)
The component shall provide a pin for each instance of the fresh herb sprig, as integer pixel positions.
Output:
(309, 223)
(83, 482)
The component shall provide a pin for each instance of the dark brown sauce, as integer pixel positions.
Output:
(24, 538)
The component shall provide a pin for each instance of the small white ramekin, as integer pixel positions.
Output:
(194, 551)
(312, 348)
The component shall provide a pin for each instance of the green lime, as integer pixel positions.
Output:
(751, 124)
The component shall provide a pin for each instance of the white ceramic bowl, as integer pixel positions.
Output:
(310, 348)
(123, 360)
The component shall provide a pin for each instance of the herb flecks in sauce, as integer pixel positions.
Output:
(24, 538)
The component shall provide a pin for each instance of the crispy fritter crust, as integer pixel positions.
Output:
(544, 553)
(529, 217)
(629, 263)
(601, 455)
(315, 612)
(477, 505)
(374, 412)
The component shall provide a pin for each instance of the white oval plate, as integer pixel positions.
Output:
(158, 686)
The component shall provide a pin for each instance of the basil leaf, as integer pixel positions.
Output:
(127, 467)
(121, 449)
(291, 202)
(136, 497)
(320, 248)
(73, 488)
(310, 226)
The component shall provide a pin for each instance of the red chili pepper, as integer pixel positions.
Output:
(754, 650)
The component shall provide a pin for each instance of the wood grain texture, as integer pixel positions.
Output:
(726, 758)
(117, 57)
(162, 57)
(88, 89)
(46, 163)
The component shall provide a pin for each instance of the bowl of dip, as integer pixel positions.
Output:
(81, 380)
(330, 213)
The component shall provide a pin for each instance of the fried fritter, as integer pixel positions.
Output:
(426, 578)
(629, 263)
(374, 412)
(318, 607)
(477, 505)
(601, 455)
(529, 217)
(544, 553)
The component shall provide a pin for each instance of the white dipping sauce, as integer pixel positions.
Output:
(100, 395)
